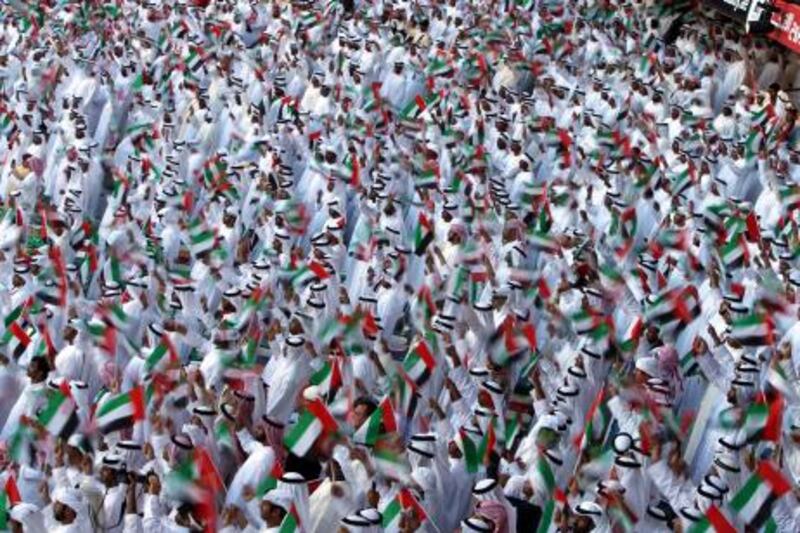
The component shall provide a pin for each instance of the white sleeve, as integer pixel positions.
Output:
(786, 513)
(60, 478)
(676, 490)
(246, 440)
(132, 523)
(151, 523)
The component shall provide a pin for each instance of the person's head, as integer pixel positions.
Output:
(14, 526)
(651, 334)
(38, 369)
(582, 524)
(271, 513)
(74, 455)
(108, 476)
(63, 513)
(363, 407)
(187, 516)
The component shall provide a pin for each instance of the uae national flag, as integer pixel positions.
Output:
(470, 452)
(753, 143)
(18, 333)
(194, 60)
(509, 342)
(60, 414)
(426, 177)
(328, 378)
(423, 234)
(381, 421)
(8, 126)
(477, 284)
(439, 67)
(251, 308)
(201, 238)
(669, 239)
(598, 421)
(196, 481)
(512, 430)
(122, 410)
(419, 363)
(425, 305)
(753, 330)
(291, 521)
(476, 455)
(586, 320)
(314, 421)
(9, 497)
(734, 254)
(391, 515)
(689, 366)
(631, 339)
(778, 377)
(391, 463)
(17, 338)
(754, 500)
(307, 273)
(760, 420)
(179, 275)
(532, 193)
(223, 433)
(371, 97)
(682, 180)
(163, 354)
(117, 316)
(403, 502)
(713, 520)
(544, 242)
(674, 304)
(545, 473)
(547, 523)
(715, 216)
(338, 327)
(20, 444)
(406, 396)
(214, 172)
(270, 481)
(790, 196)
(419, 105)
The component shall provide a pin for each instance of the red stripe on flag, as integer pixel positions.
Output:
(387, 416)
(317, 408)
(318, 270)
(408, 501)
(208, 471)
(43, 227)
(530, 334)
(355, 175)
(772, 430)
(12, 491)
(636, 330)
(544, 289)
(771, 475)
(64, 388)
(137, 401)
(173, 353)
(718, 520)
(20, 334)
(110, 341)
(188, 200)
(420, 102)
(425, 354)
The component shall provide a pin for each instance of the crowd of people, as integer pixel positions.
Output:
(337, 266)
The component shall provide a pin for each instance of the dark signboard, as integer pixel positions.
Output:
(752, 16)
